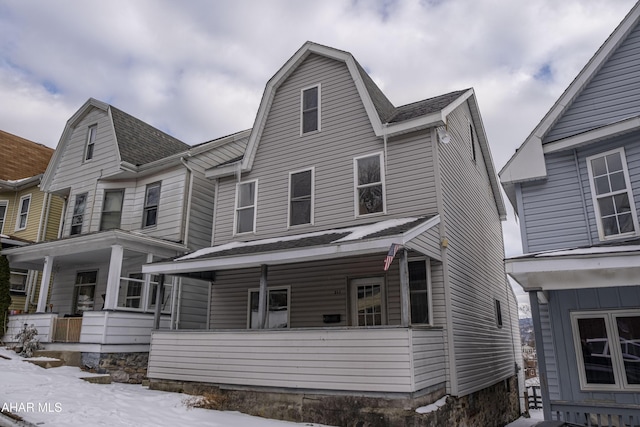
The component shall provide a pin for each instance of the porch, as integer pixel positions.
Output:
(384, 359)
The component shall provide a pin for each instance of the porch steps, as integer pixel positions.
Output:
(46, 363)
(98, 379)
(69, 358)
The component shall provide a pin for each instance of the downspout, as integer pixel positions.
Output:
(187, 207)
(582, 199)
(384, 141)
(93, 202)
(44, 213)
(215, 210)
(65, 204)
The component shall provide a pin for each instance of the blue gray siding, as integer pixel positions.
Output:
(612, 95)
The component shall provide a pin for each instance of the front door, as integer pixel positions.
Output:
(368, 302)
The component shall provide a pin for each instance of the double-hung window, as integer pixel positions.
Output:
(151, 201)
(91, 140)
(246, 196)
(85, 290)
(607, 349)
(611, 193)
(419, 291)
(78, 213)
(111, 209)
(301, 197)
(277, 308)
(3, 213)
(18, 281)
(23, 212)
(369, 184)
(310, 110)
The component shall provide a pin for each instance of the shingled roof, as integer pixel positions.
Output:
(424, 107)
(141, 143)
(22, 158)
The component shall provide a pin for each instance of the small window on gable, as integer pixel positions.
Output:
(91, 139)
(246, 195)
(369, 185)
(498, 314)
(3, 213)
(78, 214)
(23, 212)
(151, 201)
(310, 109)
(611, 194)
(301, 197)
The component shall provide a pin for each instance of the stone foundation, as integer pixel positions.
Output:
(494, 406)
(122, 367)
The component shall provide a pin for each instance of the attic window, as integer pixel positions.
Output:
(310, 110)
(91, 138)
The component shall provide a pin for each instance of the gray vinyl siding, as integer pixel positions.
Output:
(549, 353)
(345, 133)
(553, 210)
(561, 304)
(428, 357)
(193, 304)
(428, 243)
(613, 93)
(483, 352)
(72, 169)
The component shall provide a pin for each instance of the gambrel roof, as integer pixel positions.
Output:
(553, 134)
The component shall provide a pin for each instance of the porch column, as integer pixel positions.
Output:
(159, 299)
(44, 284)
(262, 298)
(540, 350)
(405, 295)
(113, 281)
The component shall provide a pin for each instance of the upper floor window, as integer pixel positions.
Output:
(301, 197)
(369, 184)
(91, 139)
(246, 195)
(612, 197)
(111, 209)
(151, 200)
(78, 213)
(3, 213)
(310, 109)
(23, 212)
(607, 348)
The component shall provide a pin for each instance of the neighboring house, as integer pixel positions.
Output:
(26, 213)
(575, 185)
(133, 194)
(300, 301)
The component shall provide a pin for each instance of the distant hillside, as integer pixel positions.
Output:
(526, 332)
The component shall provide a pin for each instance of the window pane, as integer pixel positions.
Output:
(309, 121)
(602, 185)
(85, 298)
(610, 226)
(622, 203)
(370, 199)
(24, 208)
(112, 201)
(596, 353)
(418, 289)
(310, 99)
(369, 305)
(150, 217)
(629, 333)
(86, 277)
(18, 281)
(625, 222)
(614, 162)
(301, 184)
(300, 212)
(245, 220)
(598, 166)
(81, 200)
(606, 206)
(111, 210)
(618, 182)
(278, 309)
(369, 170)
(246, 194)
(153, 195)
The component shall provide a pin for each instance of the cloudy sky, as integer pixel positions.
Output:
(196, 68)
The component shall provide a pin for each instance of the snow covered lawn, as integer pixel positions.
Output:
(57, 397)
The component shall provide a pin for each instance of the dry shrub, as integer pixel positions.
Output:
(208, 400)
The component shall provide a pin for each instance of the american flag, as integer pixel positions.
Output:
(393, 250)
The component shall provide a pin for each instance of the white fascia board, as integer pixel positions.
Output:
(221, 171)
(434, 119)
(624, 126)
(526, 165)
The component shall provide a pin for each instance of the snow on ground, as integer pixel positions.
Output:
(535, 418)
(57, 397)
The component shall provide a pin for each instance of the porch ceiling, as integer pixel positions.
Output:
(601, 266)
(88, 248)
(327, 244)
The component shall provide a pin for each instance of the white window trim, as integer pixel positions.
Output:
(302, 133)
(157, 206)
(594, 196)
(109, 189)
(614, 349)
(91, 130)
(4, 203)
(427, 261)
(356, 202)
(255, 208)
(26, 220)
(269, 289)
(353, 295)
(313, 197)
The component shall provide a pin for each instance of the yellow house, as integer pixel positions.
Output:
(26, 214)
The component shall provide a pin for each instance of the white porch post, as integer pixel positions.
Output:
(44, 284)
(262, 298)
(405, 295)
(159, 299)
(113, 281)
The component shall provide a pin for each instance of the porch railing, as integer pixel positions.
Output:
(67, 329)
(596, 414)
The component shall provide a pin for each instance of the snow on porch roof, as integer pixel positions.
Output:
(325, 244)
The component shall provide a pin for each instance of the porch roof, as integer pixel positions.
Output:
(327, 244)
(89, 247)
(608, 264)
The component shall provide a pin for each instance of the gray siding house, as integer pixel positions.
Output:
(334, 181)
(133, 194)
(575, 185)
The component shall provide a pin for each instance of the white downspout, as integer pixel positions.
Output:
(384, 140)
(44, 213)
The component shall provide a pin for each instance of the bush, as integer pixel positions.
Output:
(5, 294)
(28, 340)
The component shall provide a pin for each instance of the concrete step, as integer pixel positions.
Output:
(98, 379)
(46, 363)
(70, 358)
